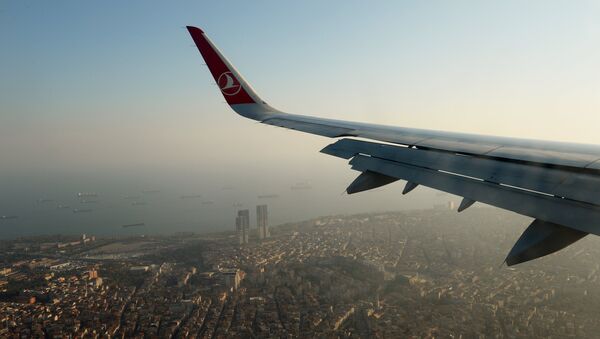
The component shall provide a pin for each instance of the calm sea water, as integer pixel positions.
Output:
(168, 204)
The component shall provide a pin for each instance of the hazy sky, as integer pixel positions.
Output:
(112, 86)
(116, 84)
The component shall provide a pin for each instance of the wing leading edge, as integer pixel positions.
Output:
(552, 182)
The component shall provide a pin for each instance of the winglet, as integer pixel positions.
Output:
(236, 91)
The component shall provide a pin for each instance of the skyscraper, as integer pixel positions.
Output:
(262, 222)
(242, 225)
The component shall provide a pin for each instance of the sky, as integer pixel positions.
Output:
(115, 92)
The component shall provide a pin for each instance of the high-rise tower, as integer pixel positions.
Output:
(242, 225)
(262, 222)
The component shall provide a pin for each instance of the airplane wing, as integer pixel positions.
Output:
(554, 183)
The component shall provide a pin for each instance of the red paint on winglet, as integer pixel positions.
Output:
(230, 86)
(192, 28)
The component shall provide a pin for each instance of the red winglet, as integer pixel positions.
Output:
(227, 78)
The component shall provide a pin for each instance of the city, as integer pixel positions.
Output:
(427, 273)
(299, 169)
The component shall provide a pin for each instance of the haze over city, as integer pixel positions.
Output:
(113, 98)
(446, 183)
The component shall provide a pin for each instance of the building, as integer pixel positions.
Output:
(262, 222)
(242, 226)
(92, 274)
(140, 268)
(233, 277)
(97, 282)
(60, 266)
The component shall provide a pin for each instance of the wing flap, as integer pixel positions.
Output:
(457, 146)
(553, 209)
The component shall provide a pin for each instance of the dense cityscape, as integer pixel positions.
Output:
(299, 169)
(430, 273)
